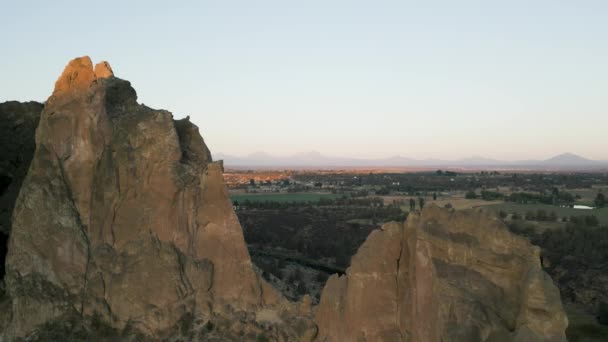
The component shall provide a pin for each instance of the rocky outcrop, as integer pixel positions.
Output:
(18, 123)
(124, 217)
(443, 276)
(123, 228)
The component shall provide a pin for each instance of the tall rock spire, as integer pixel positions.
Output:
(124, 216)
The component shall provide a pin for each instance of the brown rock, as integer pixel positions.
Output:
(123, 215)
(443, 276)
(77, 76)
(103, 70)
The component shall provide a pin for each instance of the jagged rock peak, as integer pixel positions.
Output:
(103, 70)
(79, 74)
(123, 217)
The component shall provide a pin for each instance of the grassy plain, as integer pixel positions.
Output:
(522, 209)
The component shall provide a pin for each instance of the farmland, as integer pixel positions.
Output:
(282, 197)
(522, 209)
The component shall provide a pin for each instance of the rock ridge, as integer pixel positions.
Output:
(443, 276)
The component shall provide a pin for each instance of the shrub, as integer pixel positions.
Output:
(602, 316)
(262, 338)
(530, 216)
(321, 277)
(490, 195)
(591, 221)
(209, 326)
(185, 323)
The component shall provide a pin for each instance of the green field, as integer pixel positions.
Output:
(587, 196)
(282, 197)
(522, 209)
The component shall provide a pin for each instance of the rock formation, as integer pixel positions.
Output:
(18, 123)
(123, 227)
(443, 276)
(124, 217)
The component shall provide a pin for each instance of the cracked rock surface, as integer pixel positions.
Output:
(124, 216)
(443, 276)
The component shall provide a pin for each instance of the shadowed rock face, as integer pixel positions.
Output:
(443, 276)
(124, 216)
(18, 123)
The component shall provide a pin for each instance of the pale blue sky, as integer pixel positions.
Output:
(424, 79)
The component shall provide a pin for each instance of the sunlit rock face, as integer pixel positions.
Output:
(124, 216)
(443, 276)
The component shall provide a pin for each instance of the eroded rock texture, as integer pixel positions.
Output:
(18, 123)
(124, 217)
(443, 276)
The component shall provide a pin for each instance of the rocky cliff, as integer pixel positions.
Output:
(123, 228)
(443, 276)
(123, 217)
(18, 122)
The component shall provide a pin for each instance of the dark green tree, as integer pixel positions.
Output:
(591, 221)
(530, 216)
(602, 316)
(552, 216)
(600, 200)
(555, 196)
(541, 215)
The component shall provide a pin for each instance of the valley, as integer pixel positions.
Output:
(325, 216)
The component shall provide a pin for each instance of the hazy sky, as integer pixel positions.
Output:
(426, 79)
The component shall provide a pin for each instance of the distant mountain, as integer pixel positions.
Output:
(570, 159)
(566, 161)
